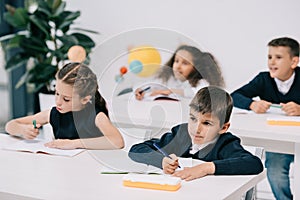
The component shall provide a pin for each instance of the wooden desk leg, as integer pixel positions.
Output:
(297, 172)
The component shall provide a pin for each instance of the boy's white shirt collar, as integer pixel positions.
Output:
(197, 147)
(284, 86)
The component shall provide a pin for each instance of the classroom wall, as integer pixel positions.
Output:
(4, 108)
(235, 31)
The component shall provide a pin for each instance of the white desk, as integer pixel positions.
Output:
(251, 128)
(254, 130)
(161, 114)
(38, 176)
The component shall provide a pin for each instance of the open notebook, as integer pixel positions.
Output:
(37, 146)
(118, 162)
(170, 97)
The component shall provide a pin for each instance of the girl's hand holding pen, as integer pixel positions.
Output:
(29, 131)
(170, 164)
(139, 93)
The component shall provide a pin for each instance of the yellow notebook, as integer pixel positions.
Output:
(156, 182)
(284, 120)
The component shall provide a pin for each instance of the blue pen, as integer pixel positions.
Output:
(162, 152)
(144, 90)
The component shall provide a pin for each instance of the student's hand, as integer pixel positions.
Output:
(291, 108)
(198, 171)
(170, 165)
(29, 132)
(138, 95)
(260, 106)
(63, 144)
(158, 92)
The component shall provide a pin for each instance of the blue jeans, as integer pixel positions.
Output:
(278, 167)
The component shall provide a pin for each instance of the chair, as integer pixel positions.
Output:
(257, 151)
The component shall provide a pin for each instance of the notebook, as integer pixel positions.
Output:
(156, 182)
(37, 146)
(118, 162)
(170, 97)
(284, 120)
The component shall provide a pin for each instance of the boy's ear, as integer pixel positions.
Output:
(86, 99)
(295, 60)
(224, 128)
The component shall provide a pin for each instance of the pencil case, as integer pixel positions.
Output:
(156, 182)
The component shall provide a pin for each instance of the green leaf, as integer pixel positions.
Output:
(68, 40)
(66, 19)
(71, 16)
(34, 47)
(54, 4)
(14, 42)
(19, 19)
(84, 40)
(16, 61)
(41, 24)
(44, 8)
(59, 10)
(42, 73)
(60, 54)
(86, 30)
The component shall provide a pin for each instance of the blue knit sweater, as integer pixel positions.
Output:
(264, 86)
(229, 157)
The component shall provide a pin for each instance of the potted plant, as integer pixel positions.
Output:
(42, 41)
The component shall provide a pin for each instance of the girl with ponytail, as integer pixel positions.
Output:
(80, 118)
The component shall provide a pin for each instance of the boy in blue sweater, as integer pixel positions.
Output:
(278, 86)
(204, 137)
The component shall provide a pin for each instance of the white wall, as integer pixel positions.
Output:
(3, 73)
(235, 31)
(4, 108)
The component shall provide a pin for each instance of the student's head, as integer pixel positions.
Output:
(76, 86)
(189, 63)
(210, 111)
(283, 57)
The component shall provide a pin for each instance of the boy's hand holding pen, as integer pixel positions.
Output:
(170, 162)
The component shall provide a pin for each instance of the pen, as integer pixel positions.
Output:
(162, 152)
(34, 123)
(144, 90)
(276, 106)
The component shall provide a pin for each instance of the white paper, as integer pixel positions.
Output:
(37, 146)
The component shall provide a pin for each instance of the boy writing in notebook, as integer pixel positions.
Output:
(280, 85)
(204, 137)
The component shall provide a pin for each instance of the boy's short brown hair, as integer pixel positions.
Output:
(286, 42)
(213, 100)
